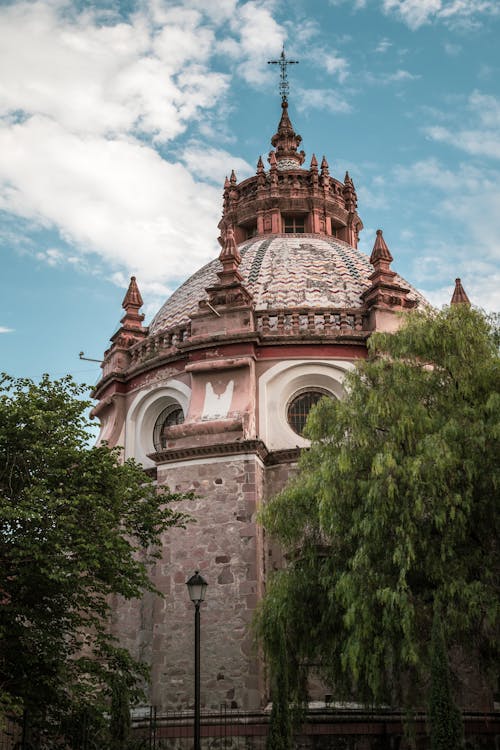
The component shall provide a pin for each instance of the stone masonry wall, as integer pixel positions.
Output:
(223, 544)
(228, 547)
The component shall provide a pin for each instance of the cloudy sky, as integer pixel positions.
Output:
(120, 118)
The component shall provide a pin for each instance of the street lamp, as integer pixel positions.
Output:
(197, 587)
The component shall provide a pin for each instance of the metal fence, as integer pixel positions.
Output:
(221, 729)
(232, 729)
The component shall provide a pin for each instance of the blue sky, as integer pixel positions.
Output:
(119, 121)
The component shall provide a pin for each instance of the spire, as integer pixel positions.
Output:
(229, 255)
(286, 142)
(324, 167)
(385, 290)
(459, 295)
(229, 290)
(313, 170)
(349, 193)
(117, 357)
(380, 250)
(132, 302)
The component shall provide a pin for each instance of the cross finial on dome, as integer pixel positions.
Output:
(459, 295)
(284, 85)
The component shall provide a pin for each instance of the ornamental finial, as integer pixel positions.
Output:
(459, 295)
(283, 62)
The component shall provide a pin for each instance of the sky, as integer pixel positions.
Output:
(120, 119)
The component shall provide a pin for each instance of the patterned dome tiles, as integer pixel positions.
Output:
(283, 272)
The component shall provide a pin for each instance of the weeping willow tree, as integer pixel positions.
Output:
(280, 723)
(394, 507)
(445, 718)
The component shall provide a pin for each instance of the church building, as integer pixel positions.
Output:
(213, 395)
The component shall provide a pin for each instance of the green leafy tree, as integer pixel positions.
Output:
(280, 722)
(120, 713)
(77, 525)
(395, 506)
(445, 718)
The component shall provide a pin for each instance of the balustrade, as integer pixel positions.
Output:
(300, 322)
(313, 322)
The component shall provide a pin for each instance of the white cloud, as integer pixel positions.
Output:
(327, 60)
(335, 65)
(323, 99)
(383, 46)
(86, 102)
(4, 329)
(260, 37)
(413, 12)
(468, 198)
(475, 142)
(213, 164)
(94, 78)
(356, 4)
(403, 75)
(481, 136)
(109, 197)
(374, 197)
(486, 107)
(309, 30)
(218, 12)
(452, 49)
(431, 172)
(416, 13)
(52, 256)
(385, 79)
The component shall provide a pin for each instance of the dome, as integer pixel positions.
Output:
(283, 272)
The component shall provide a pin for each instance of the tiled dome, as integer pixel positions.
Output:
(283, 272)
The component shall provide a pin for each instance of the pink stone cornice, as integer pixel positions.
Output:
(212, 365)
(205, 451)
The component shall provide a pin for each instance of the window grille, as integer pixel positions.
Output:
(170, 416)
(299, 408)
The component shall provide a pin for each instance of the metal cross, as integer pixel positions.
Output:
(283, 62)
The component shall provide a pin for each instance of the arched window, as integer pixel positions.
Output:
(299, 408)
(173, 414)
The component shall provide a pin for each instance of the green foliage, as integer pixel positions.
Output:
(77, 525)
(395, 505)
(280, 723)
(445, 718)
(120, 713)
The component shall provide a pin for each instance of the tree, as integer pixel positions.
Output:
(119, 714)
(395, 507)
(76, 526)
(445, 718)
(280, 722)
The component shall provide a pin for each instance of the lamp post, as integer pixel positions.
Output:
(197, 587)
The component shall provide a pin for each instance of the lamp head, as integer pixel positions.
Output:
(196, 587)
